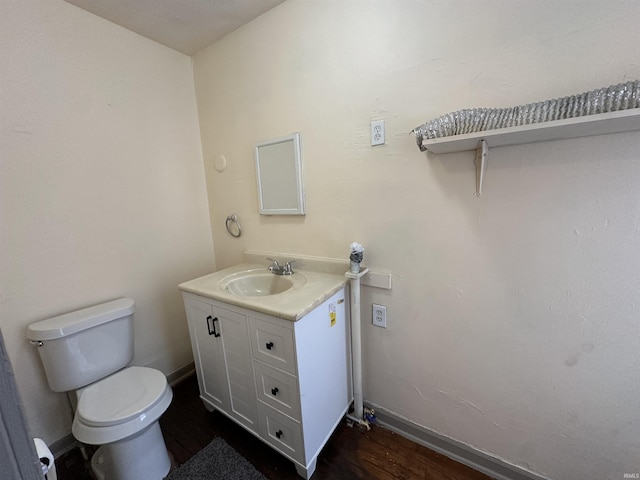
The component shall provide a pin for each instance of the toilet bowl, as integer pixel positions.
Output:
(118, 406)
(121, 413)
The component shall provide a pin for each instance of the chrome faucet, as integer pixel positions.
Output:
(278, 269)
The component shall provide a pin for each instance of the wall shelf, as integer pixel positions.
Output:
(600, 124)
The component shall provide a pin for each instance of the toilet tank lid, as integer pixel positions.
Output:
(74, 322)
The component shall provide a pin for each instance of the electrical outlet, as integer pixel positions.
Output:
(380, 316)
(377, 132)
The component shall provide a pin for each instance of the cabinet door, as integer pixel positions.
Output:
(208, 354)
(239, 367)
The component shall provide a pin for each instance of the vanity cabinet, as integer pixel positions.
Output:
(287, 382)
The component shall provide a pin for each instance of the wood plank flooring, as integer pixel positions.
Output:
(351, 453)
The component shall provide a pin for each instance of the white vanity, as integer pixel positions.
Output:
(272, 353)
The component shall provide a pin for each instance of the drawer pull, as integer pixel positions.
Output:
(279, 433)
(274, 391)
(269, 345)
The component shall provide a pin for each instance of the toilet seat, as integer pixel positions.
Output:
(121, 396)
(120, 405)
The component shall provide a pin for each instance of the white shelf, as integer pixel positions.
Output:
(600, 124)
(590, 125)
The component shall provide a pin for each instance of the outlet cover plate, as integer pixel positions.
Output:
(379, 315)
(377, 132)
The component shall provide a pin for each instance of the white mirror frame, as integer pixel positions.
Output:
(279, 175)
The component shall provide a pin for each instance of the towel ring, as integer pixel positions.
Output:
(231, 220)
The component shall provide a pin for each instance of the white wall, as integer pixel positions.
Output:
(513, 318)
(102, 192)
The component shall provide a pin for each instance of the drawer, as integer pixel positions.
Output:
(273, 345)
(277, 389)
(281, 432)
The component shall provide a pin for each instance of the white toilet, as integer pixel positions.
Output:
(86, 351)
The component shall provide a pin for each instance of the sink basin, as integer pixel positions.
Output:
(259, 283)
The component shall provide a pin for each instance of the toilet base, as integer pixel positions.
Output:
(142, 456)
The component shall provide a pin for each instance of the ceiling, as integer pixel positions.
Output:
(184, 25)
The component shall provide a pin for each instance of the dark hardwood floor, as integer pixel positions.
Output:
(351, 453)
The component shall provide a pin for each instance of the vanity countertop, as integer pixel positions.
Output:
(292, 304)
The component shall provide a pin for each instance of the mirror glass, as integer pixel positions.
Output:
(279, 172)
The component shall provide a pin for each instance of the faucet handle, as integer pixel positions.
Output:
(274, 267)
(287, 267)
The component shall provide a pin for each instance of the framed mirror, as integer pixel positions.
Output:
(279, 172)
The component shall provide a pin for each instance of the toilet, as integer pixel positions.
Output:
(118, 407)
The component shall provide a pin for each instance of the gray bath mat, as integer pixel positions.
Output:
(216, 461)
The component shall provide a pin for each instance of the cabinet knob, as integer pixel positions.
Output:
(279, 433)
(274, 391)
(269, 345)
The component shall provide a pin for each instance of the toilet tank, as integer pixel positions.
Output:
(81, 347)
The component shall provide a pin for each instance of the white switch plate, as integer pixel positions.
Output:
(379, 315)
(377, 132)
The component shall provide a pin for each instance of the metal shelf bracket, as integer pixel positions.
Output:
(482, 153)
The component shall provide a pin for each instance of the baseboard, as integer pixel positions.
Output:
(62, 446)
(480, 461)
(181, 374)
